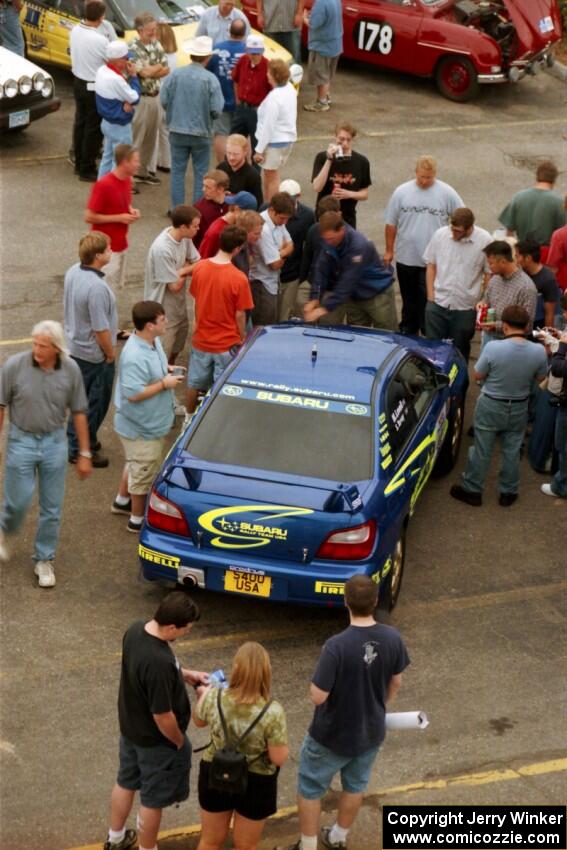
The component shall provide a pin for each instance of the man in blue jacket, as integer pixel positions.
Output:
(116, 95)
(192, 99)
(350, 279)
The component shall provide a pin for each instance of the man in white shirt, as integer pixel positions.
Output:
(216, 20)
(456, 275)
(88, 42)
(415, 211)
(268, 256)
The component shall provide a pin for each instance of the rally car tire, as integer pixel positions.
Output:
(449, 453)
(390, 589)
(456, 79)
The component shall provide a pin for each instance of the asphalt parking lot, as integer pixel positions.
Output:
(483, 607)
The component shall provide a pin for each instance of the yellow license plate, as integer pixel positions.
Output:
(247, 583)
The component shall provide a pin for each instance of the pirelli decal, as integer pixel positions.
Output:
(332, 588)
(159, 558)
(453, 374)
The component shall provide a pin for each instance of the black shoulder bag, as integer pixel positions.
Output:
(229, 768)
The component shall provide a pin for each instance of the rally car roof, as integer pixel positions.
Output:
(332, 362)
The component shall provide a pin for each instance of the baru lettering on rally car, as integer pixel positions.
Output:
(248, 534)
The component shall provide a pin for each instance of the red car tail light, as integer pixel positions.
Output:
(349, 544)
(166, 516)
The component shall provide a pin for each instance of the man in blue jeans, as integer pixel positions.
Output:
(508, 368)
(91, 325)
(11, 36)
(40, 387)
(117, 91)
(358, 673)
(192, 99)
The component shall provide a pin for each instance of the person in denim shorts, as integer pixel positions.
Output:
(358, 673)
(222, 297)
(154, 713)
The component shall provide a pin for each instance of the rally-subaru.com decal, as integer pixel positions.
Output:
(234, 533)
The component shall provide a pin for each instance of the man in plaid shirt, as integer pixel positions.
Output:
(509, 285)
(150, 61)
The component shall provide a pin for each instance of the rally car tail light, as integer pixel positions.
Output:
(166, 516)
(349, 544)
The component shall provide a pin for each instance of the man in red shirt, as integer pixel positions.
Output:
(109, 210)
(237, 204)
(557, 256)
(250, 76)
(212, 205)
(222, 296)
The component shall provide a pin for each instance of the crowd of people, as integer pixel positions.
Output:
(248, 251)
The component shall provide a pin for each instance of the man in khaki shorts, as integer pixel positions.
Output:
(325, 42)
(144, 414)
(169, 264)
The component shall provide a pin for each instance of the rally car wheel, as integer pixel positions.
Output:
(452, 443)
(390, 590)
(456, 78)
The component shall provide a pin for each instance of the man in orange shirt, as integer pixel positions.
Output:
(222, 296)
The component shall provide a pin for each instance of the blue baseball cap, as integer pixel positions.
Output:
(244, 200)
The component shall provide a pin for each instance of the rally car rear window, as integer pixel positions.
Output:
(279, 432)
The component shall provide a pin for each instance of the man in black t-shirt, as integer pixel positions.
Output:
(528, 257)
(342, 172)
(243, 176)
(154, 713)
(358, 673)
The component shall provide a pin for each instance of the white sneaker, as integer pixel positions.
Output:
(45, 573)
(180, 410)
(4, 552)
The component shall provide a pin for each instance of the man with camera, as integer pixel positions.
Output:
(343, 173)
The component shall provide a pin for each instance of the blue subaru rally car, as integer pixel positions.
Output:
(304, 464)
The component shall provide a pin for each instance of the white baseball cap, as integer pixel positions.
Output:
(292, 187)
(255, 44)
(116, 50)
(202, 45)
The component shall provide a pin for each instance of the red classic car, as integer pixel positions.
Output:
(461, 43)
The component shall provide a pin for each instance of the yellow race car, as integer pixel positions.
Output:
(47, 24)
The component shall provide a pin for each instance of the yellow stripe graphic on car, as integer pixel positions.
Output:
(399, 478)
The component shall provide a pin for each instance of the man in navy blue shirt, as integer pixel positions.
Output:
(358, 673)
(350, 279)
(225, 56)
